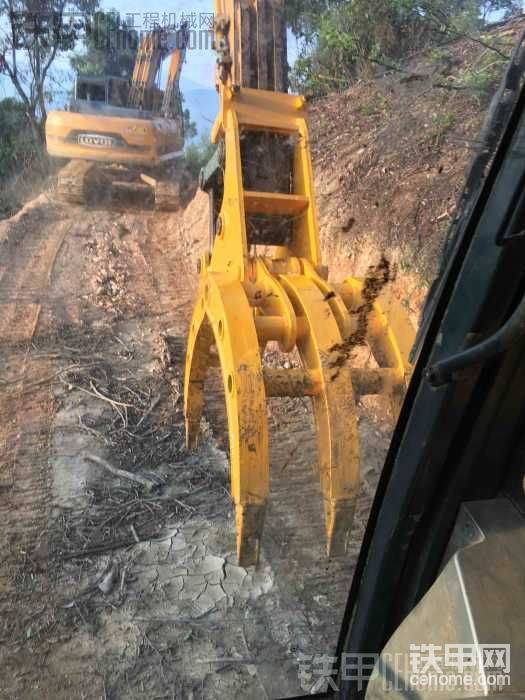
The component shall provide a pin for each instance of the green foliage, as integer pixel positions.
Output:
(353, 34)
(340, 40)
(23, 161)
(18, 148)
(444, 121)
(304, 16)
(377, 104)
(190, 128)
(109, 47)
(198, 154)
(482, 76)
(481, 82)
(436, 55)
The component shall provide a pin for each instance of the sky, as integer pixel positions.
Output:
(200, 62)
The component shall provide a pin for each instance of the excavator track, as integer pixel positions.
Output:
(73, 182)
(167, 196)
(80, 182)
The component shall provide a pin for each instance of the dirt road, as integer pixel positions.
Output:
(112, 588)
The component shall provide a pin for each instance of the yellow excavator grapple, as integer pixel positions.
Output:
(120, 135)
(263, 280)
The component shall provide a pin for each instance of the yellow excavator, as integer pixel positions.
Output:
(263, 281)
(121, 135)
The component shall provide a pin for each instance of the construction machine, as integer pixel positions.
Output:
(263, 281)
(122, 135)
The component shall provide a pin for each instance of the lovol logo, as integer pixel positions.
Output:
(95, 140)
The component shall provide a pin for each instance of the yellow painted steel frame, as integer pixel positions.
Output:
(245, 300)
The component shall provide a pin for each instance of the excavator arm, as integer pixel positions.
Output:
(177, 43)
(154, 47)
(251, 44)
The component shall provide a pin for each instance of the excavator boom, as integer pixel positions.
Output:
(153, 48)
(171, 103)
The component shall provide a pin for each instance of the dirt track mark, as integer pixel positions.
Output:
(24, 411)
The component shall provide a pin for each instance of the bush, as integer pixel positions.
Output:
(198, 154)
(23, 161)
(354, 34)
(345, 39)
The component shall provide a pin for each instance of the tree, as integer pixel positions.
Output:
(33, 34)
(507, 7)
(18, 149)
(23, 162)
(190, 128)
(350, 35)
(304, 16)
(339, 38)
(110, 47)
(198, 154)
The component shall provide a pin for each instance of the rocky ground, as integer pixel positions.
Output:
(119, 588)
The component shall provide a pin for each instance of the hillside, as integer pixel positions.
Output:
(390, 157)
(202, 102)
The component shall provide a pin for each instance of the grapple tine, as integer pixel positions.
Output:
(223, 317)
(334, 408)
(390, 335)
(197, 362)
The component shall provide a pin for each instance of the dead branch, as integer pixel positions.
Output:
(152, 407)
(109, 400)
(137, 478)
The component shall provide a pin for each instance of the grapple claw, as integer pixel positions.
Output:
(246, 300)
(338, 516)
(249, 521)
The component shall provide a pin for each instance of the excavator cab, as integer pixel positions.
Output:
(94, 91)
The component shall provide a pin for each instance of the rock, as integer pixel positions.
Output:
(208, 565)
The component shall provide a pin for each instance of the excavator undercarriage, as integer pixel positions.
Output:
(84, 182)
(263, 281)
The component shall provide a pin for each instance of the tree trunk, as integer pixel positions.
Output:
(37, 127)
